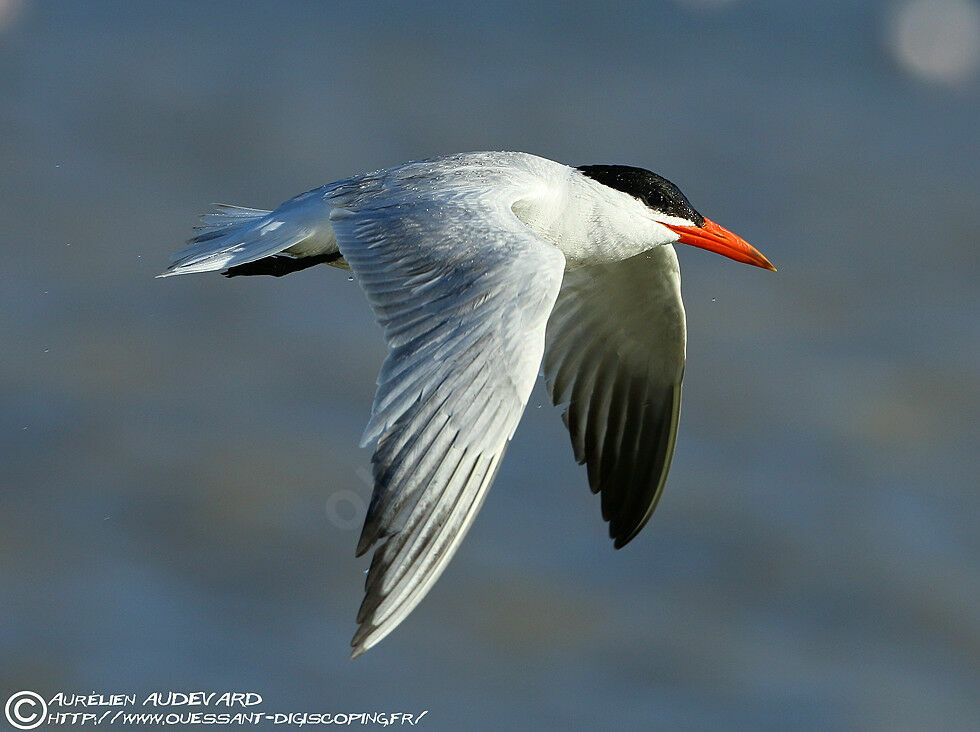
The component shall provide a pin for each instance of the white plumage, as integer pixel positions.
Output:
(478, 267)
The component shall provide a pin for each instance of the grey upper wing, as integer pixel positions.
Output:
(615, 356)
(463, 291)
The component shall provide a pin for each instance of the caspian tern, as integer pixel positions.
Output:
(479, 266)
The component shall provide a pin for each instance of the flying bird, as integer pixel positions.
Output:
(480, 267)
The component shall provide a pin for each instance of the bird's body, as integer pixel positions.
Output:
(479, 266)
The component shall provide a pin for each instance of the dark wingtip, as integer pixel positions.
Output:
(621, 540)
(623, 532)
(369, 535)
(358, 641)
(623, 535)
(362, 546)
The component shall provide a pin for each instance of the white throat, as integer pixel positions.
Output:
(590, 222)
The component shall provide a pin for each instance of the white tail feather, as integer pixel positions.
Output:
(234, 235)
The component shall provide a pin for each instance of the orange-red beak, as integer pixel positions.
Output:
(720, 240)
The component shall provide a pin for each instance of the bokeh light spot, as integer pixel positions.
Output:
(936, 40)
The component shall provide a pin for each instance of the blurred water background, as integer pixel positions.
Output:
(181, 483)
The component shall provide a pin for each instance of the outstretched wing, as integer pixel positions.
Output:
(463, 291)
(615, 357)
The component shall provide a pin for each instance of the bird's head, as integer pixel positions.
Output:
(671, 209)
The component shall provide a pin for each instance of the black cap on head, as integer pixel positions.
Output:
(655, 191)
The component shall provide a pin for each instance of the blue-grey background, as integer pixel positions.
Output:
(181, 483)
